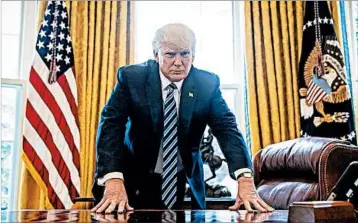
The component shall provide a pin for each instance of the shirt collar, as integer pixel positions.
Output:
(166, 82)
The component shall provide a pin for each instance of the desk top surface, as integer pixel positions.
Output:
(143, 216)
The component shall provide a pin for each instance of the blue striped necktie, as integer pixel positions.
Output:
(170, 149)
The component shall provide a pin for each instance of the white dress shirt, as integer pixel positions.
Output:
(159, 165)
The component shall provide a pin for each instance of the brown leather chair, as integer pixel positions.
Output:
(302, 169)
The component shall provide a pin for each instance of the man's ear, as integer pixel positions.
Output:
(192, 61)
(155, 54)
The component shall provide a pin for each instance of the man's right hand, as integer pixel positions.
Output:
(115, 195)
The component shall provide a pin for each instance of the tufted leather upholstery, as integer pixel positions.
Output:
(302, 169)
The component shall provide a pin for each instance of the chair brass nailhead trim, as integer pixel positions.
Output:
(341, 146)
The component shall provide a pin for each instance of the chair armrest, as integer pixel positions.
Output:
(256, 167)
(299, 156)
(334, 160)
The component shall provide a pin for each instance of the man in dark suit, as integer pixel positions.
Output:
(151, 127)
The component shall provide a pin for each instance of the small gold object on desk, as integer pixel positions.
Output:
(321, 211)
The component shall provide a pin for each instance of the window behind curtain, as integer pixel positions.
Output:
(355, 76)
(350, 28)
(355, 56)
(211, 21)
(18, 33)
(217, 51)
(12, 93)
(11, 35)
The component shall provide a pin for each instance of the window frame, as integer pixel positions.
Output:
(21, 86)
(238, 12)
(239, 62)
(353, 50)
(27, 45)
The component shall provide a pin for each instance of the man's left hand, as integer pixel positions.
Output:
(248, 195)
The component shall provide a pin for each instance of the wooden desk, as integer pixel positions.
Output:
(145, 216)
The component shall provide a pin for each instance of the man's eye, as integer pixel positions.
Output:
(170, 54)
(185, 53)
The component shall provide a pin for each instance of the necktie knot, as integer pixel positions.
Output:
(172, 87)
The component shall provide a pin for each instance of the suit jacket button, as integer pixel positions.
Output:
(137, 192)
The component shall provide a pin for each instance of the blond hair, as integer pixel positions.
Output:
(176, 35)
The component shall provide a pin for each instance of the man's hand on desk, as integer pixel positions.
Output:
(115, 195)
(247, 195)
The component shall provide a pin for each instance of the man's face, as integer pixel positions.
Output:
(174, 63)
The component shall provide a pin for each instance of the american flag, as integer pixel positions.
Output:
(51, 139)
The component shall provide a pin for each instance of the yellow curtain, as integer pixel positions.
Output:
(102, 38)
(273, 48)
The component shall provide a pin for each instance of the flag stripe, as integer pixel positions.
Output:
(41, 111)
(319, 96)
(62, 81)
(316, 95)
(61, 121)
(57, 158)
(310, 88)
(42, 151)
(57, 94)
(42, 171)
(72, 83)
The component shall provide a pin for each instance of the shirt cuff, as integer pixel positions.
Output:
(240, 171)
(109, 176)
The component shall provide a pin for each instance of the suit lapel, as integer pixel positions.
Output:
(187, 102)
(154, 97)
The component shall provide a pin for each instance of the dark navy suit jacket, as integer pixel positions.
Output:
(131, 128)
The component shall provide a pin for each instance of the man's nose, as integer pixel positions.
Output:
(177, 60)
